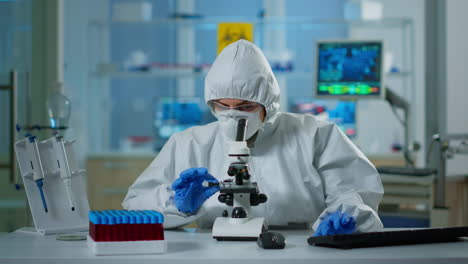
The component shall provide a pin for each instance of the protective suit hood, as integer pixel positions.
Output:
(242, 72)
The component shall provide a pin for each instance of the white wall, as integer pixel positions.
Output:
(457, 79)
(457, 66)
(378, 127)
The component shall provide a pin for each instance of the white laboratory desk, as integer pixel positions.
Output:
(190, 246)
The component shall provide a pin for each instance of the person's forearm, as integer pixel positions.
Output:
(161, 200)
(351, 203)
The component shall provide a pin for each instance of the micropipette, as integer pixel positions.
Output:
(38, 175)
(64, 168)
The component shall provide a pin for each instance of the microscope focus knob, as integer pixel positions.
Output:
(245, 174)
(231, 171)
(256, 199)
(229, 200)
(262, 198)
(238, 212)
(225, 213)
(222, 198)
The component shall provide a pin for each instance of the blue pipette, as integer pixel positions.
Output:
(38, 174)
(39, 184)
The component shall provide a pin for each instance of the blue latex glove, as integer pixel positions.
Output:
(190, 194)
(336, 223)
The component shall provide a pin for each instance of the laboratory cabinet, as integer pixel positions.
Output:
(110, 176)
(412, 197)
(457, 200)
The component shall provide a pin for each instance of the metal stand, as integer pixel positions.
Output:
(397, 101)
(440, 214)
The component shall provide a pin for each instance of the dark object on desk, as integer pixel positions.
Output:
(406, 171)
(186, 16)
(390, 238)
(271, 240)
(70, 237)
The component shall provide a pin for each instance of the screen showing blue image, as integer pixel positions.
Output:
(349, 69)
(174, 115)
(342, 113)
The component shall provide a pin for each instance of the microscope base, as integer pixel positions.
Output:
(235, 229)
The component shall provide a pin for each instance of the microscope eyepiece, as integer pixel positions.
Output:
(241, 129)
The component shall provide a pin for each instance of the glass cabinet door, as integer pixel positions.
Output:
(15, 55)
(145, 72)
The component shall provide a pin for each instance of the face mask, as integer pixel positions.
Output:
(229, 119)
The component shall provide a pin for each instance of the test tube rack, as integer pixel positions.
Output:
(120, 232)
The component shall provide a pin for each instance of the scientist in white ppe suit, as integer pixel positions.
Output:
(309, 170)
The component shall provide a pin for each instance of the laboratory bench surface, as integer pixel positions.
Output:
(197, 246)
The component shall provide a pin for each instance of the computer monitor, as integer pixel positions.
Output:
(349, 69)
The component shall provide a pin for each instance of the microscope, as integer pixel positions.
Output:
(240, 193)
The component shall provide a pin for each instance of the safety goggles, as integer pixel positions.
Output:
(248, 107)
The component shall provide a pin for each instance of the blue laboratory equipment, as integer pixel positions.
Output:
(175, 115)
(342, 113)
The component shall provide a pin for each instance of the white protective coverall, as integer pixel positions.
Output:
(306, 167)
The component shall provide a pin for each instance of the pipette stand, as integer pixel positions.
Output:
(63, 186)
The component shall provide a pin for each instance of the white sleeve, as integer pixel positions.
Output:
(152, 189)
(351, 182)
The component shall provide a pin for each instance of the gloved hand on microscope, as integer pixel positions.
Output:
(190, 194)
(336, 223)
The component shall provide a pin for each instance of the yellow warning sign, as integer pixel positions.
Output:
(231, 32)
